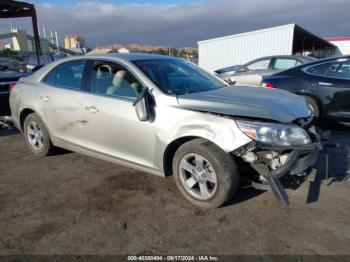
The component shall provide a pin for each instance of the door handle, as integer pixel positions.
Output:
(325, 84)
(92, 109)
(45, 98)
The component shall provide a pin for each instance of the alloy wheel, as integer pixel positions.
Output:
(35, 135)
(197, 176)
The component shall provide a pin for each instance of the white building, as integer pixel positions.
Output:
(241, 48)
(342, 44)
(123, 50)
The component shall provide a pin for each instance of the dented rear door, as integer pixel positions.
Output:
(61, 99)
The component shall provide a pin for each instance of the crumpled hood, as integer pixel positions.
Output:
(255, 102)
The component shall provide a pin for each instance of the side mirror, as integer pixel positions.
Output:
(141, 105)
(231, 81)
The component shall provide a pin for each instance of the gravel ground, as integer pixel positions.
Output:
(72, 204)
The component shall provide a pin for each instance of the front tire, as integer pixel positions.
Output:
(313, 106)
(206, 175)
(37, 136)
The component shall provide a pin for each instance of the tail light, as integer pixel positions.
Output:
(12, 86)
(267, 85)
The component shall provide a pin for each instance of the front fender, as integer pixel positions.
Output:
(219, 130)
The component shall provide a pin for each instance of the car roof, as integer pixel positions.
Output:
(118, 56)
(300, 57)
(284, 56)
(319, 61)
(330, 59)
(133, 56)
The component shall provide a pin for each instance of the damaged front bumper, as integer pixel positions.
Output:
(273, 163)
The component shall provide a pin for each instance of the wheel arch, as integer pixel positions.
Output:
(23, 114)
(314, 97)
(170, 151)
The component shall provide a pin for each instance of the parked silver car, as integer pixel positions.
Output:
(252, 72)
(166, 116)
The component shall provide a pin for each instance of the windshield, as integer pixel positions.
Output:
(178, 77)
(228, 69)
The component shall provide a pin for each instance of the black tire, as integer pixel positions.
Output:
(47, 146)
(313, 106)
(223, 165)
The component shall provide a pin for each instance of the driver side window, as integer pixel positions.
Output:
(113, 80)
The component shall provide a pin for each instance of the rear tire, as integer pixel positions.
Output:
(37, 136)
(313, 106)
(205, 174)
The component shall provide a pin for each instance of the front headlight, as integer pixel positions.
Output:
(274, 134)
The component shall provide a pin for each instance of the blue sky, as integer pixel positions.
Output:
(155, 2)
(182, 22)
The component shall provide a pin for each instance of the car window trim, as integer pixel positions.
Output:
(123, 66)
(304, 69)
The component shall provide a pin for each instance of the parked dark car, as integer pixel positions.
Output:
(324, 83)
(252, 72)
(32, 60)
(10, 75)
(7, 80)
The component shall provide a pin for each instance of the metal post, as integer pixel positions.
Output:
(36, 35)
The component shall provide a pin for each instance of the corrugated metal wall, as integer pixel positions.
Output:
(239, 49)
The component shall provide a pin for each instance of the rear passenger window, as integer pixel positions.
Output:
(67, 75)
(337, 69)
(319, 69)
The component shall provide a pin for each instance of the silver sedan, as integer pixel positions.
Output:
(166, 116)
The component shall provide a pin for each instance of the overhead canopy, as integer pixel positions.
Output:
(13, 9)
(306, 41)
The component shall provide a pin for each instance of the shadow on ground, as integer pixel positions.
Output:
(8, 132)
(334, 162)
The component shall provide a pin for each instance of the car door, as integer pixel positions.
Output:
(331, 81)
(251, 74)
(113, 128)
(60, 99)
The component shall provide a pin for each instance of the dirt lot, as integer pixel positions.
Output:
(72, 204)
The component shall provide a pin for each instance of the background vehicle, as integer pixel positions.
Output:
(166, 116)
(324, 83)
(12, 70)
(227, 72)
(7, 80)
(10, 64)
(251, 73)
(32, 60)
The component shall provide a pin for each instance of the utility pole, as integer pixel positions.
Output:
(56, 36)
